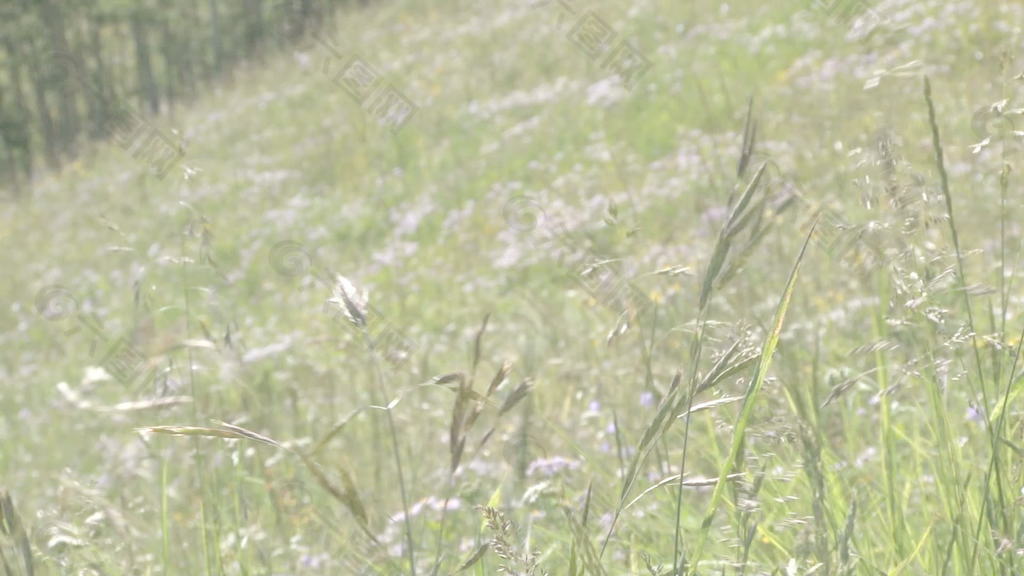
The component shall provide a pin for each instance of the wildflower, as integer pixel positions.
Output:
(551, 466)
(647, 399)
(974, 414)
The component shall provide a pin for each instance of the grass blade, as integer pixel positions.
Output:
(746, 412)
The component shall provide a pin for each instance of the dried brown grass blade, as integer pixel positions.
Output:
(516, 396)
(346, 494)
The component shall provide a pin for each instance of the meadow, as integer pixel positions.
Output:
(552, 287)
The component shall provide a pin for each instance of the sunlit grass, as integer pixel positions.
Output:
(881, 436)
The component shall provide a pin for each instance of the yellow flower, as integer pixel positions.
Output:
(656, 296)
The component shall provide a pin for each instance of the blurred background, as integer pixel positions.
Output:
(564, 287)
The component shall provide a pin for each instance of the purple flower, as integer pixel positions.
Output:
(647, 399)
(551, 466)
(974, 414)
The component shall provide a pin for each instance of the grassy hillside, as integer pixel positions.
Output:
(556, 291)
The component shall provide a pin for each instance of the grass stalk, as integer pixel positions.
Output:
(396, 450)
(768, 348)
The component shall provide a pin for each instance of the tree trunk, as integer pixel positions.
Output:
(253, 18)
(170, 53)
(53, 18)
(20, 107)
(7, 129)
(43, 110)
(100, 96)
(218, 46)
(149, 94)
(192, 56)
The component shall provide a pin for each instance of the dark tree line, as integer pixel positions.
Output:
(67, 66)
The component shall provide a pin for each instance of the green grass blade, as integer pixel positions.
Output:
(746, 412)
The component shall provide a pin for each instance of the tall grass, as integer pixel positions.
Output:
(826, 380)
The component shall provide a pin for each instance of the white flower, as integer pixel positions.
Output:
(351, 301)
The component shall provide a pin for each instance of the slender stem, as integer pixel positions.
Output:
(398, 455)
(165, 525)
(197, 450)
(993, 459)
(444, 517)
(944, 180)
(698, 347)
(1004, 184)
